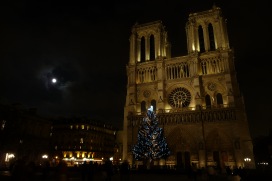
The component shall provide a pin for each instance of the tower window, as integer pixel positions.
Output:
(152, 47)
(201, 39)
(211, 37)
(142, 49)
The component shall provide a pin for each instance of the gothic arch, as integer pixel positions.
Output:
(147, 94)
(201, 39)
(152, 47)
(154, 104)
(211, 37)
(213, 88)
(143, 106)
(219, 99)
(143, 56)
(208, 102)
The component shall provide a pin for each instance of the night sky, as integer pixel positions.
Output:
(85, 46)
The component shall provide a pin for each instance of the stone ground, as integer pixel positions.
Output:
(136, 176)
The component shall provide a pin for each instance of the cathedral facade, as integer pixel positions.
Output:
(196, 97)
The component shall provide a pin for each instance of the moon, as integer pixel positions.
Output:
(54, 80)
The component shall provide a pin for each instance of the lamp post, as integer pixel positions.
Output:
(132, 139)
(247, 162)
(203, 135)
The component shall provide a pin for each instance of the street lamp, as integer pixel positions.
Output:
(45, 156)
(203, 134)
(132, 139)
(247, 161)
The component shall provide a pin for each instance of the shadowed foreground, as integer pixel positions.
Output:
(75, 174)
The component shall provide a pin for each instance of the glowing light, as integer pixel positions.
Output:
(263, 163)
(45, 156)
(247, 159)
(9, 156)
(54, 80)
(193, 47)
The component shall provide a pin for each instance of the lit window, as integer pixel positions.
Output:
(82, 126)
(81, 140)
(71, 126)
(76, 126)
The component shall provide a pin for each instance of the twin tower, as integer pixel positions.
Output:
(196, 97)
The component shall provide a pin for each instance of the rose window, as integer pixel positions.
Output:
(179, 97)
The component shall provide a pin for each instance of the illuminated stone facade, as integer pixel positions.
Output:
(76, 140)
(196, 96)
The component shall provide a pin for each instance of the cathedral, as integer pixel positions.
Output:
(196, 97)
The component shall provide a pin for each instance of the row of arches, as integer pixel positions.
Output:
(209, 101)
(207, 66)
(150, 42)
(189, 117)
(151, 47)
(217, 101)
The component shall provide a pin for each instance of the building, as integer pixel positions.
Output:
(23, 135)
(76, 140)
(196, 96)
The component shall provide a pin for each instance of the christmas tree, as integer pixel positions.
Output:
(151, 142)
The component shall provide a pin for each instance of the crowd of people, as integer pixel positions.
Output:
(21, 170)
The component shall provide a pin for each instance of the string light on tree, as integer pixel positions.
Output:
(151, 142)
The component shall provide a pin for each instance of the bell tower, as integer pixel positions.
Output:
(148, 42)
(207, 32)
(196, 96)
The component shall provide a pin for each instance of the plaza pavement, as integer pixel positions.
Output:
(5, 176)
(159, 176)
